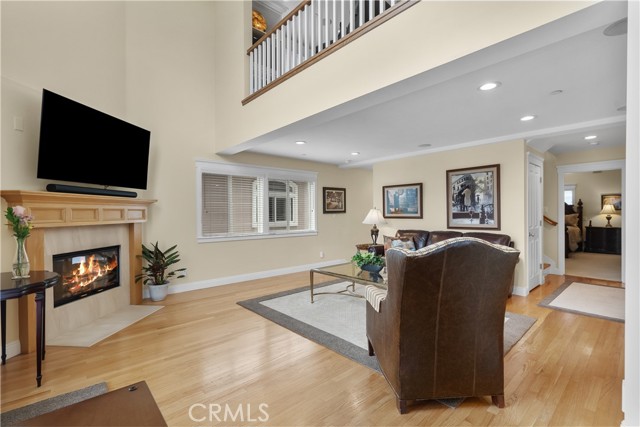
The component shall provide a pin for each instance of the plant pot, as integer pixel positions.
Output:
(372, 268)
(158, 292)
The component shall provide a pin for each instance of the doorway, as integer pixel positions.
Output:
(593, 208)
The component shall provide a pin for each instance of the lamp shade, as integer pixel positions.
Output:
(374, 217)
(608, 209)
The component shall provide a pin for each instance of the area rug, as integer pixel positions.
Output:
(104, 327)
(601, 301)
(338, 321)
(16, 416)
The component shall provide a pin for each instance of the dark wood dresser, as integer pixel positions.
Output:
(604, 240)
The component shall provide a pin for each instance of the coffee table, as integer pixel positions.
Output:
(351, 273)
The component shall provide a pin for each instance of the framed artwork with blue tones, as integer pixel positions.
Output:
(402, 201)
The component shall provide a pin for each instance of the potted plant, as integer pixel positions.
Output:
(368, 261)
(155, 273)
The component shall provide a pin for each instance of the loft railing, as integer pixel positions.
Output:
(309, 32)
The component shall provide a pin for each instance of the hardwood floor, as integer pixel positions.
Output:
(204, 352)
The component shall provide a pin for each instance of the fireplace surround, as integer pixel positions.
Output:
(86, 217)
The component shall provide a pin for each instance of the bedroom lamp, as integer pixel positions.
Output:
(608, 210)
(374, 217)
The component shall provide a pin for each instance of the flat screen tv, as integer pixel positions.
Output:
(79, 144)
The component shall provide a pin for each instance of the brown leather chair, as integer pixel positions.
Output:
(439, 329)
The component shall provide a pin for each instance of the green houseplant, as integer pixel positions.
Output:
(368, 261)
(156, 273)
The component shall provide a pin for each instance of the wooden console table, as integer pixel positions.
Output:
(55, 210)
(37, 284)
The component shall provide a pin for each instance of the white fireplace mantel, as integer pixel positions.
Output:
(75, 210)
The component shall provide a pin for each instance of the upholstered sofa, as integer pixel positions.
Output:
(422, 238)
(438, 329)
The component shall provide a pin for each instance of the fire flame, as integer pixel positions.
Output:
(88, 272)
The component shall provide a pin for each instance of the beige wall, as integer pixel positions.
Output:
(155, 64)
(430, 170)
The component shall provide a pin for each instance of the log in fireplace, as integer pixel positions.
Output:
(85, 273)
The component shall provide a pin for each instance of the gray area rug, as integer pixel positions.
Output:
(338, 322)
(15, 416)
(601, 301)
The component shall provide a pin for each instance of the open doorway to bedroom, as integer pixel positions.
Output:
(592, 235)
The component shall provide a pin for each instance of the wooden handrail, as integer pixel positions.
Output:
(550, 221)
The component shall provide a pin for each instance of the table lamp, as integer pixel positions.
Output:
(374, 217)
(608, 210)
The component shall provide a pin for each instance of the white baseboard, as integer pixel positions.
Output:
(204, 284)
(13, 349)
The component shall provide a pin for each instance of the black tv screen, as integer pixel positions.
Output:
(83, 145)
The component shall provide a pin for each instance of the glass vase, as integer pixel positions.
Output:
(21, 266)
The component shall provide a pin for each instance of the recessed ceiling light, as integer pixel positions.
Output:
(527, 118)
(489, 86)
(594, 143)
(355, 153)
(556, 92)
(588, 137)
(301, 142)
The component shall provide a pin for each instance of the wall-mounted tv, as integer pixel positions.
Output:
(79, 144)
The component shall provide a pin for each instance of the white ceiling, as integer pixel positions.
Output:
(444, 108)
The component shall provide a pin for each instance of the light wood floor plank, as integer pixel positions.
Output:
(202, 348)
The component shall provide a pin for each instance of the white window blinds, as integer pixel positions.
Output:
(242, 201)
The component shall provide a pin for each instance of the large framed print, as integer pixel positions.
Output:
(473, 197)
(334, 200)
(402, 201)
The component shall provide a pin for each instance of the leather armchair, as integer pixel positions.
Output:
(439, 331)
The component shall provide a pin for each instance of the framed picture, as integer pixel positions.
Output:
(612, 199)
(334, 200)
(402, 201)
(473, 197)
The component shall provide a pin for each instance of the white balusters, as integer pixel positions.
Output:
(311, 27)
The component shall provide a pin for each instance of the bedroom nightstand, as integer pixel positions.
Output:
(604, 240)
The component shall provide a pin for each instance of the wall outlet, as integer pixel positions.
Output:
(321, 254)
(184, 273)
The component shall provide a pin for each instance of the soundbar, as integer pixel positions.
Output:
(61, 188)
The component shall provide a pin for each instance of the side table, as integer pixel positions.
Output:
(37, 283)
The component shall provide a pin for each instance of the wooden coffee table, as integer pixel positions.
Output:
(132, 405)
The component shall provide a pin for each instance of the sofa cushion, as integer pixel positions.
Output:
(420, 237)
(439, 236)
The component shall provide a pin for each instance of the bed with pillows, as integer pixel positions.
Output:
(574, 235)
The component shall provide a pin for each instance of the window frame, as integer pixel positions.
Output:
(260, 172)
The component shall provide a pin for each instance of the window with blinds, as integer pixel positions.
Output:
(246, 202)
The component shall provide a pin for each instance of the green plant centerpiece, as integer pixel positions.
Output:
(156, 272)
(368, 261)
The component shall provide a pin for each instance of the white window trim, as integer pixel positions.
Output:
(208, 166)
(572, 188)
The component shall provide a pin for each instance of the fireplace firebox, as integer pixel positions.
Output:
(85, 273)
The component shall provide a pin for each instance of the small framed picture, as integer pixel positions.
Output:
(402, 201)
(334, 200)
(473, 197)
(611, 199)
